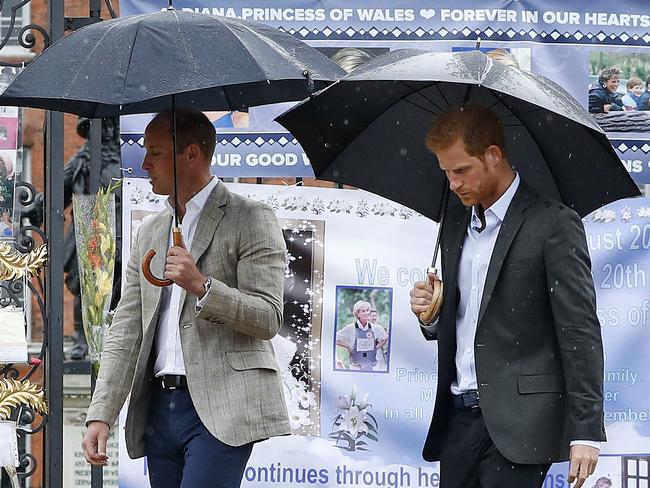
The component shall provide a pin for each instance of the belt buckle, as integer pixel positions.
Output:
(471, 400)
(165, 386)
(476, 401)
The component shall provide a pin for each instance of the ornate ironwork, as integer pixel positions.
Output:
(28, 464)
(26, 199)
(26, 37)
(16, 265)
(12, 294)
(14, 393)
(32, 241)
(111, 10)
(21, 263)
(25, 193)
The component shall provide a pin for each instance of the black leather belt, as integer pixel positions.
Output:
(469, 399)
(171, 382)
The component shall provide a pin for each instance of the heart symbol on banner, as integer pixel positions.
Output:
(427, 13)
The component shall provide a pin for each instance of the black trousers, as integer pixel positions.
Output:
(469, 458)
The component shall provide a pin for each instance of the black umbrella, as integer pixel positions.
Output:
(368, 130)
(151, 62)
(136, 64)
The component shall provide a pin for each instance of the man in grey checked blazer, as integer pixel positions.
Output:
(197, 427)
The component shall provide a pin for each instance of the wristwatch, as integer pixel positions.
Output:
(206, 285)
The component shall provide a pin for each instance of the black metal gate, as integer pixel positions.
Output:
(47, 284)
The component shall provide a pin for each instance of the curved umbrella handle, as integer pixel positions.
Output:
(177, 239)
(432, 312)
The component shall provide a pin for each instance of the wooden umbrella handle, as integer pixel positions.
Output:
(432, 312)
(177, 239)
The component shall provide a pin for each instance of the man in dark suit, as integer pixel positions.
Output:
(520, 361)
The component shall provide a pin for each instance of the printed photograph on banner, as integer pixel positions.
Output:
(350, 58)
(8, 132)
(232, 119)
(347, 57)
(362, 329)
(516, 57)
(298, 342)
(7, 186)
(619, 91)
(7, 75)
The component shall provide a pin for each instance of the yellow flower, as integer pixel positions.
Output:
(105, 243)
(104, 284)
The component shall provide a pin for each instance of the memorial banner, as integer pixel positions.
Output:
(362, 422)
(577, 45)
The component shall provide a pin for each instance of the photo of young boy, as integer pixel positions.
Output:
(635, 89)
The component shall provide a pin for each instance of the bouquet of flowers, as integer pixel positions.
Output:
(94, 217)
(354, 423)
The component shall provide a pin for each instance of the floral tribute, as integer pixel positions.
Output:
(95, 236)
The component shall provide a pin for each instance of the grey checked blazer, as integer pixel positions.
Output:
(232, 373)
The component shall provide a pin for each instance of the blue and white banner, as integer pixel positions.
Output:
(249, 144)
(553, 21)
(350, 238)
(635, 155)
(572, 44)
(618, 237)
(342, 248)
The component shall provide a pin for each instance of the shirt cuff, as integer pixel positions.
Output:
(200, 303)
(594, 444)
(429, 327)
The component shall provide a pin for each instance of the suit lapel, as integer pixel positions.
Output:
(159, 243)
(453, 246)
(458, 232)
(209, 220)
(509, 228)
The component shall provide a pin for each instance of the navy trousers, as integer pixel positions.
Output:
(181, 453)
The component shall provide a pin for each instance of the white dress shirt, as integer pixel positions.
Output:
(169, 355)
(472, 270)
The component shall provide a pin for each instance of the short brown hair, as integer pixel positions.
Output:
(634, 81)
(192, 127)
(477, 126)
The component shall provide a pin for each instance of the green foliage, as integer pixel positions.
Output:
(379, 299)
(630, 64)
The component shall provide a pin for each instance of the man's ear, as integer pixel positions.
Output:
(193, 152)
(493, 154)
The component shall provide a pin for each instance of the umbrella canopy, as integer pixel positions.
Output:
(368, 130)
(152, 62)
(135, 64)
